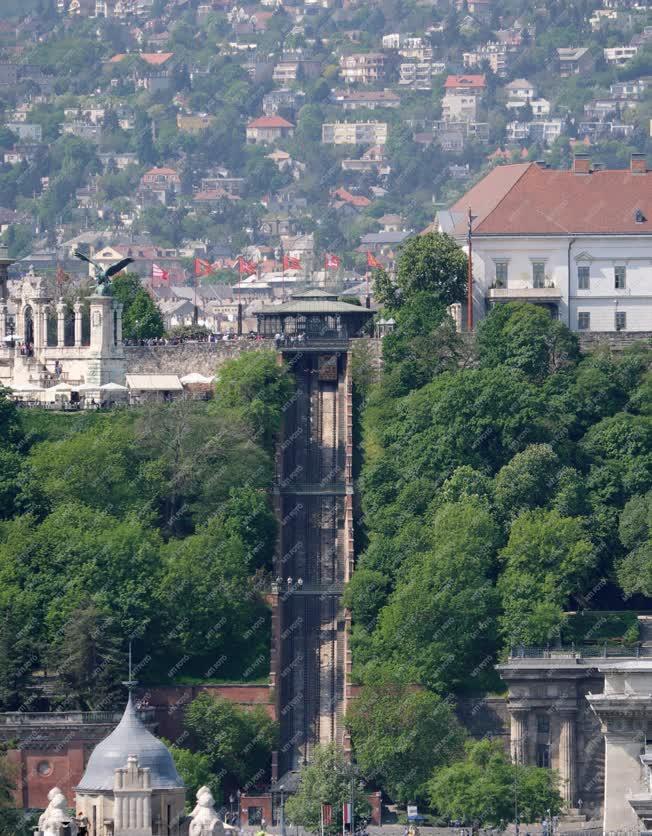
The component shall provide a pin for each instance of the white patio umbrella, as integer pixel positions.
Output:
(113, 387)
(195, 377)
(87, 387)
(26, 387)
(60, 387)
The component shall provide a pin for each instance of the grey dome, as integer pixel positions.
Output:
(130, 737)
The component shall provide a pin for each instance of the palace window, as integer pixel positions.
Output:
(583, 321)
(501, 273)
(620, 277)
(538, 273)
(620, 320)
(583, 277)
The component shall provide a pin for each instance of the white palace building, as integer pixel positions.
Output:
(578, 242)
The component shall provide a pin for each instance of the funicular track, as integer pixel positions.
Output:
(313, 549)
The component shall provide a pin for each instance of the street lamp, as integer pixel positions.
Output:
(282, 816)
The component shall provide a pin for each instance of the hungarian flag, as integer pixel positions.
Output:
(159, 275)
(246, 268)
(203, 268)
(373, 262)
(327, 814)
(290, 263)
(332, 262)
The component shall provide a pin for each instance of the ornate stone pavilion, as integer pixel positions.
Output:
(85, 342)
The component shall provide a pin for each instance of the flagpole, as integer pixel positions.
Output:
(469, 277)
(195, 312)
(282, 272)
(239, 327)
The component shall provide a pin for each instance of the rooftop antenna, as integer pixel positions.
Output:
(131, 682)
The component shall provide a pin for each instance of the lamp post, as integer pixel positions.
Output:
(282, 816)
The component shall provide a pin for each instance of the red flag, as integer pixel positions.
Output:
(203, 268)
(346, 812)
(290, 263)
(159, 275)
(246, 268)
(373, 262)
(327, 814)
(332, 262)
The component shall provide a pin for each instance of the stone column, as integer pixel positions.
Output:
(567, 755)
(3, 321)
(518, 734)
(61, 323)
(78, 323)
(39, 326)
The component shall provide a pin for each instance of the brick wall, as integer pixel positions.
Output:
(171, 701)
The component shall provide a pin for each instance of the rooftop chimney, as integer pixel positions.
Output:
(638, 164)
(581, 164)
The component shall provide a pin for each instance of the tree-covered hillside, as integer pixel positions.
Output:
(151, 525)
(498, 492)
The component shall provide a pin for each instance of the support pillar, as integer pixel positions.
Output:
(3, 321)
(61, 323)
(78, 324)
(519, 734)
(567, 756)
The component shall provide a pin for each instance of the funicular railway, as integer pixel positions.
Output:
(314, 496)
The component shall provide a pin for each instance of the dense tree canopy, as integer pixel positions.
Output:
(481, 789)
(501, 487)
(400, 734)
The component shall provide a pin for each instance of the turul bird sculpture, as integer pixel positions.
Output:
(103, 277)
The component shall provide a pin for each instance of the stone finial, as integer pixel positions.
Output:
(56, 815)
(205, 821)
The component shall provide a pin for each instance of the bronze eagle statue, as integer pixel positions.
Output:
(102, 276)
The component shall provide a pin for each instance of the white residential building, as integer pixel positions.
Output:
(520, 90)
(577, 242)
(354, 133)
(618, 56)
(459, 107)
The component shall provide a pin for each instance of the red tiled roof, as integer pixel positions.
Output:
(270, 122)
(527, 199)
(465, 81)
(154, 59)
(352, 199)
(161, 172)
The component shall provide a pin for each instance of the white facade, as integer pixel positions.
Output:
(459, 107)
(619, 55)
(609, 287)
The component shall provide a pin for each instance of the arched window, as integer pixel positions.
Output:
(86, 325)
(28, 325)
(51, 335)
(69, 326)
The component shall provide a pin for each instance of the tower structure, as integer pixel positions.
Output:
(314, 504)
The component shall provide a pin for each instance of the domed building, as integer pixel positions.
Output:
(131, 786)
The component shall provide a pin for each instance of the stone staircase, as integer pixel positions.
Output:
(645, 629)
